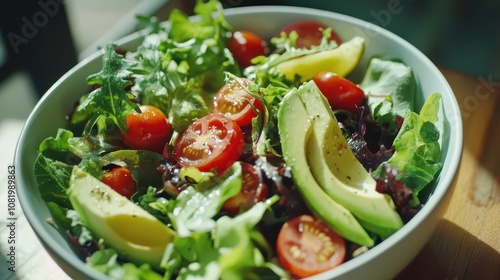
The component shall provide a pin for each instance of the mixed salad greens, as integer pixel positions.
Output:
(209, 153)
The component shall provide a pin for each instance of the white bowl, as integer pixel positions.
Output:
(384, 261)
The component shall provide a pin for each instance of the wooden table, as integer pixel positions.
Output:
(466, 244)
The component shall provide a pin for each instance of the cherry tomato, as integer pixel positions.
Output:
(306, 246)
(148, 130)
(339, 91)
(120, 180)
(252, 191)
(244, 46)
(309, 33)
(211, 142)
(233, 101)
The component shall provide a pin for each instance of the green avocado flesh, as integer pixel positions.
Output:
(331, 179)
(295, 127)
(120, 223)
(338, 171)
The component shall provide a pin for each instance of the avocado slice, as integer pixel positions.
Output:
(340, 60)
(136, 235)
(295, 127)
(338, 171)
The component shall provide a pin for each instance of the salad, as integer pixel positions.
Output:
(211, 153)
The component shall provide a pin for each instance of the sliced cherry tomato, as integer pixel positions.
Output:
(244, 46)
(148, 130)
(233, 101)
(309, 33)
(339, 91)
(211, 142)
(306, 246)
(120, 180)
(252, 191)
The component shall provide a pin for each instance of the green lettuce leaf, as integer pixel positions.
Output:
(391, 89)
(417, 149)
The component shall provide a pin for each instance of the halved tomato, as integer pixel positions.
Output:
(233, 101)
(306, 246)
(309, 33)
(252, 191)
(211, 142)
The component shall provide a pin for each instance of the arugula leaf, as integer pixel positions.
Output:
(417, 149)
(110, 100)
(391, 89)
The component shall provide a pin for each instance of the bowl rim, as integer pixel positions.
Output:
(443, 185)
